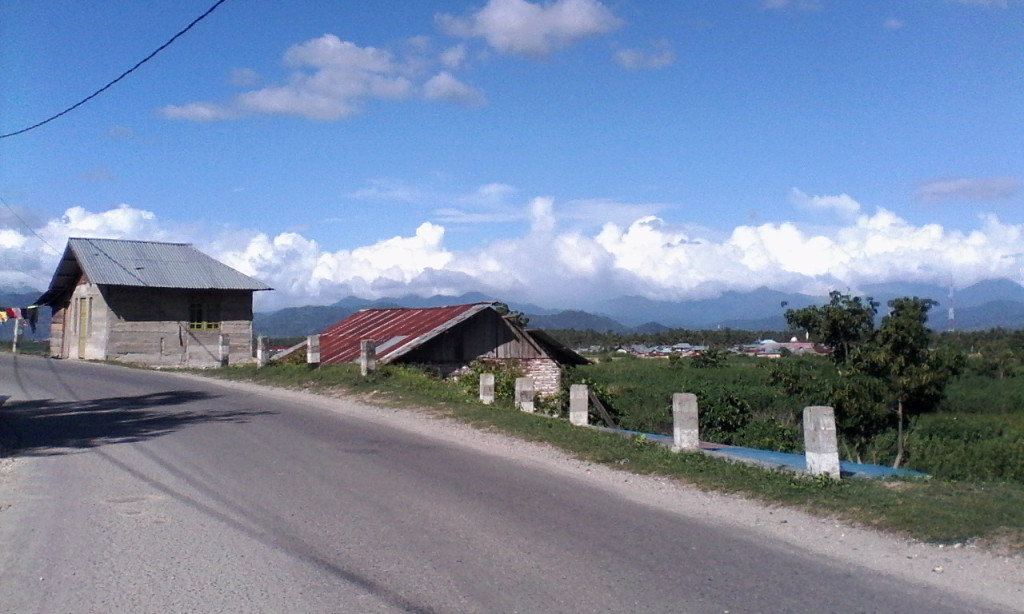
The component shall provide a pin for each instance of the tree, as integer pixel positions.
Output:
(899, 355)
(518, 318)
(841, 324)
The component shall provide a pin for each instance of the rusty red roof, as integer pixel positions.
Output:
(395, 331)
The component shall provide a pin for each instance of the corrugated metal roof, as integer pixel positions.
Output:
(144, 264)
(396, 331)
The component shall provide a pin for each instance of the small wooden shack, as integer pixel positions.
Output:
(449, 339)
(159, 304)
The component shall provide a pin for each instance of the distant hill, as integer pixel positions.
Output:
(311, 319)
(578, 320)
(722, 312)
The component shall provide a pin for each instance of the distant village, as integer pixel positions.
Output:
(765, 348)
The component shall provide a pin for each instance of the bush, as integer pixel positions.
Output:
(770, 435)
(505, 375)
(969, 447)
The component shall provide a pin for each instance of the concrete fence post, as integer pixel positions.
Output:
(525, 394)
(262, 356)
(487, 388)
(579, 404)
(224, 344)
(313, 350)
(14, 337)
(820, 441)
(367, 356)
(685, 422)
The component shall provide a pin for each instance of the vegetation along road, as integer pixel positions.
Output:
(141, 491)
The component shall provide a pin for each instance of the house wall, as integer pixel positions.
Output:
(546, 374)
(150, 326)
(82, 325)
(484, 336)
(489, 338)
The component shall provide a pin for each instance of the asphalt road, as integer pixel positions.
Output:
(140, 491)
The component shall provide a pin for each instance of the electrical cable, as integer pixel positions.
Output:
(122, 76)
(27, 227)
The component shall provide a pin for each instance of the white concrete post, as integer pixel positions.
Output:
(685, 422)
(313, 350)
(525, 394)
(579, 402)
(262, 356)
(367, 356)
(225, 349)
(14, 339)
(486, 388)
(820, 441)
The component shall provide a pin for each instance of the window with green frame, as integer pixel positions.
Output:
(204, 316)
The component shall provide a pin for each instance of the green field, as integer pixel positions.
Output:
(975, 433)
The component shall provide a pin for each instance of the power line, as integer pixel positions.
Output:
(27, 227)
(122, 76)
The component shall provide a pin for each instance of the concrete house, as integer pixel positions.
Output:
(159, 304)
(448, 339)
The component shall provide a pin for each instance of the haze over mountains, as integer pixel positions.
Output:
(987, 304)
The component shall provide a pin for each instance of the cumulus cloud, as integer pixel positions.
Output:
(786, 4)
(555, 263)
(986, 3)
(444, 86)
(454, 57)
(660, 56)
(892, 24)
(532, 29)
(333, 79)
(841, 204)
(964, 189)
(198, 111)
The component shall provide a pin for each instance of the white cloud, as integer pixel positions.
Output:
(987, 3)
(534, 29)
(892, 24)
(637, 59)
(966, 189)
(554, 265)
(333, 79)
(444, 86)
(841, 204)
(244, 77)
(198, 111)
(454, 57)
(786, 4)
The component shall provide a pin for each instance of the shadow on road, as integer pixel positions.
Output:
(46, 427)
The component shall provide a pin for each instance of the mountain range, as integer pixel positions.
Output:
(986, 304)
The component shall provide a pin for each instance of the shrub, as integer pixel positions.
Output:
(505, 374)
(969, 447)
(769, 435)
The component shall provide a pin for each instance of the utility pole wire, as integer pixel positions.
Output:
(122, 76)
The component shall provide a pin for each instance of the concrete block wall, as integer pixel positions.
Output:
(546, 374)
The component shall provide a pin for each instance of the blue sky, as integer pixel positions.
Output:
(557, 151)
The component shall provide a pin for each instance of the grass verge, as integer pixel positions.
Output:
(990, 515)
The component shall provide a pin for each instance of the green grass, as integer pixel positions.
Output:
(934, 510)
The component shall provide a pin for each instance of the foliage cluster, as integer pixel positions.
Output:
(505, 374)
(737, 404)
